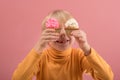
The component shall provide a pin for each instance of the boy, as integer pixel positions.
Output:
(60, 61)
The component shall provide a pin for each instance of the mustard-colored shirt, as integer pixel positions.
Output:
(65, 65)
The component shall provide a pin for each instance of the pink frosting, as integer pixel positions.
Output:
(52, 23)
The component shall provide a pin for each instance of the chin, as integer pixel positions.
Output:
(61, 48)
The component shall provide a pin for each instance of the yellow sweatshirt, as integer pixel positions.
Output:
(65, 65)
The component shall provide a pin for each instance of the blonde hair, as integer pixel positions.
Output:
(61, 15)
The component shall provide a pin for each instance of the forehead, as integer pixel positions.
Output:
(62, 19)
(61, 16)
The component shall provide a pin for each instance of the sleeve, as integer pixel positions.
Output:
(96, 66)
(28, 67)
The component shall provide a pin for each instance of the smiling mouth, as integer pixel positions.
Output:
(62, 41)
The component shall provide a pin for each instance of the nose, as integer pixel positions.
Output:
(62, 32)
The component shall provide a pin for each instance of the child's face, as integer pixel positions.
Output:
(65, 41)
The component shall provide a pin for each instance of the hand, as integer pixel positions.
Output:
(81, 38)
(47, 35)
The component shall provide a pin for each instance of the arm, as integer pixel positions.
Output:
(28, 67)
(91, 61)
(96, 66)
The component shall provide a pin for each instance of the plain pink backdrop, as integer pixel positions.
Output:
(20, 22)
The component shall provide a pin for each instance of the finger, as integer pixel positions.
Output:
(78, 33)
(50, 38)
(47, 41)
(75, 31)
(82, 39)
(52, 34)
(49, 30)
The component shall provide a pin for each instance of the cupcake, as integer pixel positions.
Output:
(53, 24)
(71, 25)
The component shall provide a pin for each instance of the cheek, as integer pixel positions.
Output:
(51, 43)
(72, 39)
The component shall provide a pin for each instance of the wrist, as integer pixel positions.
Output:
(87, 52)
(86, 48)
(38, 49)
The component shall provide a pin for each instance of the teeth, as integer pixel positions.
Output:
(62, 41)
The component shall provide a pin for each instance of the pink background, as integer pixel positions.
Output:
(20, 22)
